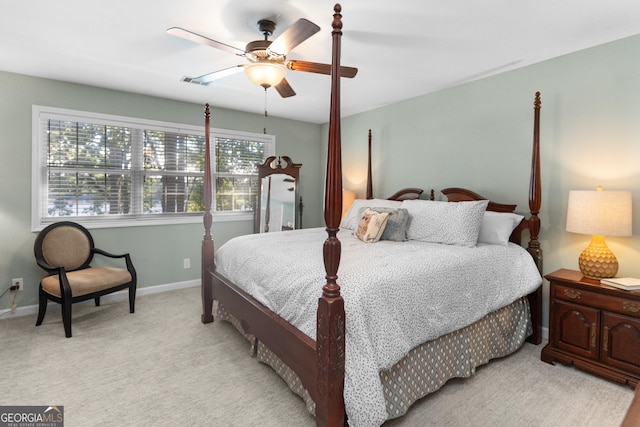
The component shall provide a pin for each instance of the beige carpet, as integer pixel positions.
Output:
(162, 367)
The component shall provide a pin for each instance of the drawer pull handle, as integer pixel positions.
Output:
(570, 293)
(605, 339)
(633, 307)
(593, 334)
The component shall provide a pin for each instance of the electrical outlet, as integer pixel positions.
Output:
(186, 263)
(18, 283)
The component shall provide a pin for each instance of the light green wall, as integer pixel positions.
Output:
(478, 135)
(157, 251)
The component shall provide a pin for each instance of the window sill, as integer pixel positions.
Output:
(122, 223)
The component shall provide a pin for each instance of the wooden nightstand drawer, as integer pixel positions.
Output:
(602, 301)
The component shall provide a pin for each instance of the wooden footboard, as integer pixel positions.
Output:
(320, 364)
(295, 349)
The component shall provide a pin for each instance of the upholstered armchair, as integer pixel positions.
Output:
(65, 251)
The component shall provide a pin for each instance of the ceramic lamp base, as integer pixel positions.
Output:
(597, 261)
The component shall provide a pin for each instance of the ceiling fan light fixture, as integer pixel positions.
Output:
(265, 74)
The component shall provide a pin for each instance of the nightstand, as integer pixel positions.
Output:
(593, 327)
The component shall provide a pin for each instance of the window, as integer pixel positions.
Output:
(103, 170)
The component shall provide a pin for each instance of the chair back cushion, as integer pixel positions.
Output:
(67, 247)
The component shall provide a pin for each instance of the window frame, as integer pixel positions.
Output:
(39, 179)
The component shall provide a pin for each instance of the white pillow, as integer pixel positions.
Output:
(496, 227)
(452, 223)
(350, 219)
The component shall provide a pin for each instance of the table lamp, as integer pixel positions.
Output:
(599, 213)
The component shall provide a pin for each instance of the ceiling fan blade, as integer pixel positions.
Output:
(293, 36)
(205, 79)
(284, 89)
(197, 38)
(315, 67)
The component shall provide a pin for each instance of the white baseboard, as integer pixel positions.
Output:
(116, 296)
(545, 334)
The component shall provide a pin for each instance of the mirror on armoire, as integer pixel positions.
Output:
(277, 207)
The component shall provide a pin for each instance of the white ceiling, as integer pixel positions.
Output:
(402, 48)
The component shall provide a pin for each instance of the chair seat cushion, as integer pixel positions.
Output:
(87, 281)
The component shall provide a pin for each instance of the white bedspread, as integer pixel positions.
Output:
(397, 295)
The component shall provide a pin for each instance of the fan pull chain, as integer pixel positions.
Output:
(264, 128)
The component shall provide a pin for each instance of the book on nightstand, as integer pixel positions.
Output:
(627, 283)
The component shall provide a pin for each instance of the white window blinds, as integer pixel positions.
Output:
(98, 169)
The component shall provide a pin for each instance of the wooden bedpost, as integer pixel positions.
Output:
(535, 187)
(207, 240)
(369, 172)
(535, 200)
(330, 334)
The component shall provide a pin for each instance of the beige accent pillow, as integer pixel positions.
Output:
(371, 225)
(350, 219)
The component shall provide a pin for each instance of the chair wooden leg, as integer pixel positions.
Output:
(132, 299)
(42, 309)
(66, 315)
(97, 299)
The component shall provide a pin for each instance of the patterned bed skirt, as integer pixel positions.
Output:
(429, 366)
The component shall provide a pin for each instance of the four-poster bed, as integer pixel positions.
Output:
(315, 358)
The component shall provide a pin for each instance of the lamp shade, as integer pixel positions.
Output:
(348, 197)
(265, 74)
(604, 213)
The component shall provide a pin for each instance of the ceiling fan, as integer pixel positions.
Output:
(267, 62)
